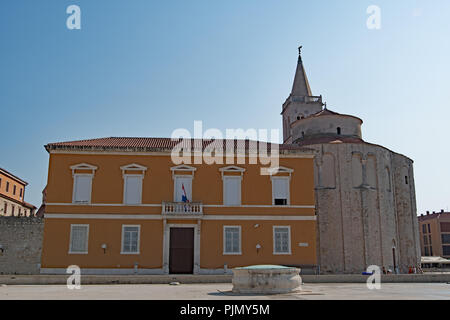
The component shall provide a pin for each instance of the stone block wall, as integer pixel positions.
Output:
(21, 240)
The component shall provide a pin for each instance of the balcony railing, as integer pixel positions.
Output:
(182, 208)
(307, 99)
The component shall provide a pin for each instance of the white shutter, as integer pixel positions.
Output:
(82, 188)
(232, 191)
(280, 188)
(133, 189)
(79, 238)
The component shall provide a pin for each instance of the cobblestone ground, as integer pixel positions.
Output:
(344, 291)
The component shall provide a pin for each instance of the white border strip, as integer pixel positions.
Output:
(160, 217)
(159, 205)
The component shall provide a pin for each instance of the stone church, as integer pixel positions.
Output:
(365, 196)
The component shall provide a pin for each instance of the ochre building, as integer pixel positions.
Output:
(12, 195)
(121, 205)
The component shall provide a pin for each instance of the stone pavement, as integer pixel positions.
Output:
(222, 291)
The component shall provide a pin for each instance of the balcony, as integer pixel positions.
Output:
(182, 208)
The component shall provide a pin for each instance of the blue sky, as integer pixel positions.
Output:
(145, 68)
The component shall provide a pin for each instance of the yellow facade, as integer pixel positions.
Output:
(255, 222)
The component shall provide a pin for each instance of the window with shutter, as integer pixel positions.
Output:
(82, 187)
(79, 234)
(231, 240)
(133, 189)
(281, 240)
(280, 191)
(130, 239)
(232, 191)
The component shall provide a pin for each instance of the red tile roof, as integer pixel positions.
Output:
(158, 144)
(328, 112)
(329, 139)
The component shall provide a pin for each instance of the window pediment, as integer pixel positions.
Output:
(232, 169)
(83, 166)
(277, 170)
(136, 168)
(183, 168)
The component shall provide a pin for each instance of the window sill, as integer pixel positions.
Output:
(282, 253)
(130, 253)
(232, 253)
(70, 252)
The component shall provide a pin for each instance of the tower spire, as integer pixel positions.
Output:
(301, 84)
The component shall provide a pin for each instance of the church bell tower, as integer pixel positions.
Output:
(300, 103)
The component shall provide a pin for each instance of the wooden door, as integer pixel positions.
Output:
(181, 253)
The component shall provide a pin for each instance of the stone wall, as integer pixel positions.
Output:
(366, 211)
(21, 240)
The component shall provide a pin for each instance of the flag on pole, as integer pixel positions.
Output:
(184, 197)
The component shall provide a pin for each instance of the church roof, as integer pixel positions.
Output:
(301, 85)
(328, 112)
(329, 139)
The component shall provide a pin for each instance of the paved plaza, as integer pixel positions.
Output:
(222, 291)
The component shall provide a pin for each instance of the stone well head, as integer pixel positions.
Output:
(266, 279)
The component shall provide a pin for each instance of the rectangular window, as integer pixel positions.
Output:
(445, 226)
(79, 234)
(232, 240)
(431, 251)
(232, 191)
(427, 253)
(12, 210)
(82, 187)
(281, 240)
(5, 209)
(20, 192)
(429, 228)
(280, 191)
(425, 240)
(445, 238)
(446, 250)
(133, 189)
(183, 189)
(424, 228)
(7, 186)
(130, 239)
(14, 190)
